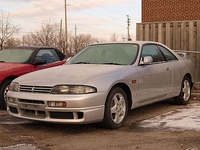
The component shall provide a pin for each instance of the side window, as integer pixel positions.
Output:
(49, 55)
(151, 50)
(168, 55)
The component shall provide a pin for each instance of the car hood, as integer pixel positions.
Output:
(67, 74)
(10, 66)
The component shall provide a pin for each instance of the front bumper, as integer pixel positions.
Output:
(80, 109)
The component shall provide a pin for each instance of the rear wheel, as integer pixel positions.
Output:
(3, 93)
(116, 109)
(185, 94)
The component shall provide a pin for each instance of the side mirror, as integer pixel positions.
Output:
(147, 60)
(39, 62)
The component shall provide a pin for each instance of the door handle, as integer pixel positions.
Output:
(167, 68)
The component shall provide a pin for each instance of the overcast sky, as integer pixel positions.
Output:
(100, 18)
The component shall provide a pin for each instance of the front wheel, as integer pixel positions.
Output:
(116, 109)
(185, 94)
(3, 93)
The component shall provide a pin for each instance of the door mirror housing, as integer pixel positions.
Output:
(39, 62)
(147, 60)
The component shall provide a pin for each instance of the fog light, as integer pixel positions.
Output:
(57, 104)
(11, 100)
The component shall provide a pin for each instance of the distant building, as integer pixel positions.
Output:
(170, 10)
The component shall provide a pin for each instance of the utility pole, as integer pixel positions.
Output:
(128, 23)
(60, 36)
(75, 39)
(66, 39)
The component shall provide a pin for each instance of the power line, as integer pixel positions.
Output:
(89, 29)
(98, 11)
(43, 8)
(93, 30)
(99, 18)
(105, 8)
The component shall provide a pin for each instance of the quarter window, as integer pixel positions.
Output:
(168, 55)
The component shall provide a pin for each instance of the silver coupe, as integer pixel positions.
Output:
(102, 83)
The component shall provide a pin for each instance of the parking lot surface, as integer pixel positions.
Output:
(160, 126)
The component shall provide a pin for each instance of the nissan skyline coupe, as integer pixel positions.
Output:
(102, 83)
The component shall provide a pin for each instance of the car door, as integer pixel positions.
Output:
(173, 64)
(50, 57)
(155, 80)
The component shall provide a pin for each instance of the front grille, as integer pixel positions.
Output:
(30, 101)
(35, 89)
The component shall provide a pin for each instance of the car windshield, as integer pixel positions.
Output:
(15, 55)
(111, 54)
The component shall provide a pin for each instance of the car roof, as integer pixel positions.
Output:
(31, 47)
(129, 42)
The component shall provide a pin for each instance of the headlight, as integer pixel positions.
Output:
(73, 89)
(13, 87)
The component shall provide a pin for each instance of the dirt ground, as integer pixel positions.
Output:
(45, 136)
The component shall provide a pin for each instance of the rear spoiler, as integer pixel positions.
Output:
(183, 53)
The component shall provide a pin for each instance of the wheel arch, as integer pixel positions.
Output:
(3, 86)
(8, 78)
(127, 90)
(190, 77)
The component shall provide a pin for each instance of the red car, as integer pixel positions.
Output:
(17, 61)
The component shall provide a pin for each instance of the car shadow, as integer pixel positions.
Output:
(134, 117)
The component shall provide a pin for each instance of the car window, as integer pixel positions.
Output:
(15, 55)
(122, 54)
(49, 55)
(152, 50)
(168, 55)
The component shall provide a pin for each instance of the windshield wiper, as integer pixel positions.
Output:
(81, 62)
(2, 61)
(110, 63)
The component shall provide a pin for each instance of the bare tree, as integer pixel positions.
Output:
(47, 36)
(6, 29)
(101, 39)
(84, 40)
(114, 37)
(12, 42)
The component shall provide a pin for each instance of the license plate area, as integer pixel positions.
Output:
(31, 107)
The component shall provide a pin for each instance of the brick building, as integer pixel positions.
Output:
(170, 10)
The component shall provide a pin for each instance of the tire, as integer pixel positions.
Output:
(185, 93)
(3, 91)
(116, 109)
